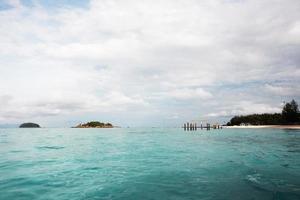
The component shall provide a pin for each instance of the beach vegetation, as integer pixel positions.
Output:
(290, 112)
(289, 115)
(95, 124)
(29, 125)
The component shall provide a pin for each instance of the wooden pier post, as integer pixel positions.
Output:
(208, 126)
(192, 126)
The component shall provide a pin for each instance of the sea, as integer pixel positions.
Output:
(149, 163)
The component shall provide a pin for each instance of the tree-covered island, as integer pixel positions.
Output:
(94, 124)
(29, 125)
(289, 116)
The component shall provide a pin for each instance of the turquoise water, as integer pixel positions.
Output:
(149, 164)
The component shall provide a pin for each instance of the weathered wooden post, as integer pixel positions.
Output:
(195, 126)
(188, 126)
(208, 126)
(184, 126)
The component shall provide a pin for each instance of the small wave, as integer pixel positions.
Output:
(272, 186)
(51, 147)
(45, 161)
(92, 168)
(294, 151)
(285, 165)
(254, 178)
(17, 151)
(259, 183)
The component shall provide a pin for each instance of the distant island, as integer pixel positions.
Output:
(289, 116)
(94, 124)
(29, 125)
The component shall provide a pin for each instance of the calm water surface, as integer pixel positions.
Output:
(149, 164)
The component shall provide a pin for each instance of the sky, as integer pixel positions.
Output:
(146, 62)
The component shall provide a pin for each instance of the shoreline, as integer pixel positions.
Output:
(267, 126)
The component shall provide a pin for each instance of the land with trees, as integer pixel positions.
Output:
(29, 125)
(289, 116)
(94, 124)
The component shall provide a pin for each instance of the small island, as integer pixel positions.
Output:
(94, 124)
(29, 125)
(289, 117)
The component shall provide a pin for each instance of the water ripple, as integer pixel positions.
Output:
(50, 147)
(149, 164)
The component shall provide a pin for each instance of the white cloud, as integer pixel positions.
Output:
(188, 93)
(128, 56)
(282, 90)
(246, 108)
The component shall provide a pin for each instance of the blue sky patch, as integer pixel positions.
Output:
(49, 4)
(4, 5)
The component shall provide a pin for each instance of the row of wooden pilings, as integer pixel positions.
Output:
(193, 126)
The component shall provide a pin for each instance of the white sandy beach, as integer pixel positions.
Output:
(267, 126)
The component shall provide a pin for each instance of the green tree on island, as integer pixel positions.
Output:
(289, 115)
(29, 125)
(95, 124)
(290, 112)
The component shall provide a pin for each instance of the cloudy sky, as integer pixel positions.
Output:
(146, 62)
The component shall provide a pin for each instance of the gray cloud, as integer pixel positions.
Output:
(160, 61)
